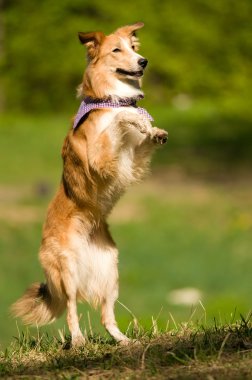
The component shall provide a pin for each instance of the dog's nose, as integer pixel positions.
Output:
(143, 62)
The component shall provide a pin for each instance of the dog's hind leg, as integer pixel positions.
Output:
(73, 323)
(108, 319)
(72, 316)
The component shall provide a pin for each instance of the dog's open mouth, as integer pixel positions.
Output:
(130, 73)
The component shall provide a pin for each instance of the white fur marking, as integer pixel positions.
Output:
(95, 269)
(124, 90)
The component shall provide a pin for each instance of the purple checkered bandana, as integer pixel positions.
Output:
(89, 104)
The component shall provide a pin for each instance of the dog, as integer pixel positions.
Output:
(108, 147)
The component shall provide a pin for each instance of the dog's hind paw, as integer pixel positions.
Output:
(78, 341)
(129, 342)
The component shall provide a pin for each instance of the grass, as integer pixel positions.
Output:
(189, 352)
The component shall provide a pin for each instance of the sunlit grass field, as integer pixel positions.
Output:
(185, 240)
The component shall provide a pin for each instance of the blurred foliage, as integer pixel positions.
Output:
(199, 47)
(199, 52)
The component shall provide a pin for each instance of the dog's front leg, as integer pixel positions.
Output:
(129, 120)
(104, 149)
(145, 148)
(103, 152)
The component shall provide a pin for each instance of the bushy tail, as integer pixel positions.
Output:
(37, 306)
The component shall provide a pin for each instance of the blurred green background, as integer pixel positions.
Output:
(185, 233)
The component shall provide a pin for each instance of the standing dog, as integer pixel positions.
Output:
(108, 148)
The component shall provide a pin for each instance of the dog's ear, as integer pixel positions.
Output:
(93, 41)
(130, 30)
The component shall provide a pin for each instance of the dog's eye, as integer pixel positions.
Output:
(133, 47)
(116, 50)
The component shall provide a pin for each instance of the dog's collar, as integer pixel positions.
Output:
(89, 104)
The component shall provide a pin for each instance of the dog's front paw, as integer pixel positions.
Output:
(125, 342)
(129, 119)
(159, 136)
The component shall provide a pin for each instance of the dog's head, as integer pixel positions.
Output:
(114, 66)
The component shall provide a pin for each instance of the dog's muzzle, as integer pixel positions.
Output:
(142, 62)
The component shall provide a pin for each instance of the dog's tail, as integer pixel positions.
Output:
(38, 306)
